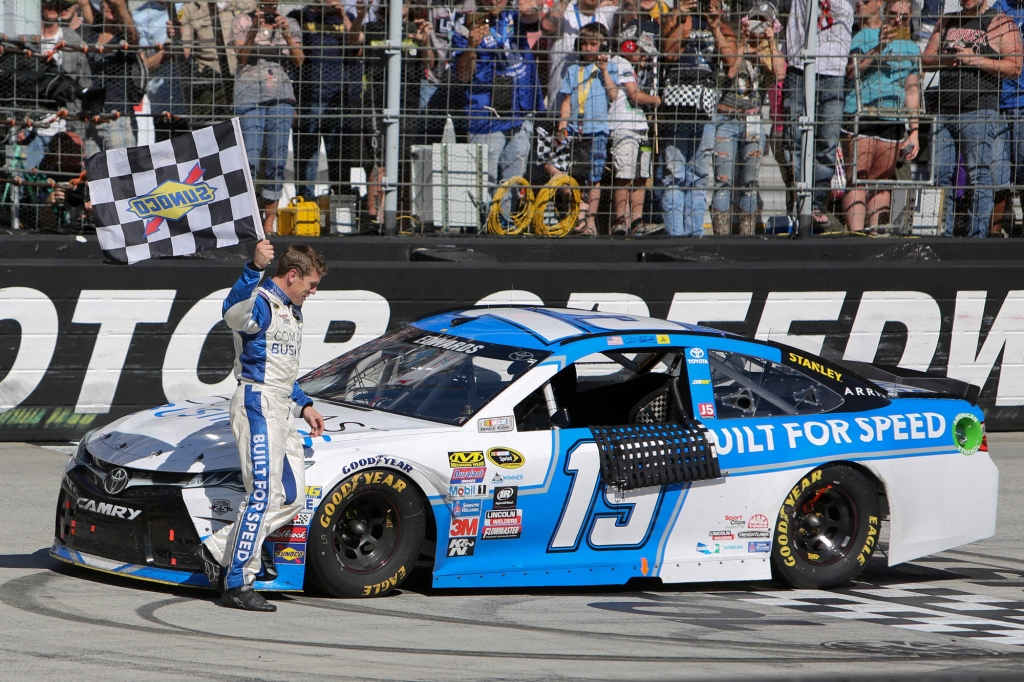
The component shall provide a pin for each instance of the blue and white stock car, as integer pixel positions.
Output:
(506, 447)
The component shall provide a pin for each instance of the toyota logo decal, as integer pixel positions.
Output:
(696, 353)
(520, 355)
(115, 481)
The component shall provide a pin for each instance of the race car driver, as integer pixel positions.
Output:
(266, 318)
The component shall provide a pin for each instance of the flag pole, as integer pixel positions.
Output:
(391, 116)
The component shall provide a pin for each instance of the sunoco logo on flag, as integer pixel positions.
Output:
(174, 197)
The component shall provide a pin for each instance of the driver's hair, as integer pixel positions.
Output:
(302, 259)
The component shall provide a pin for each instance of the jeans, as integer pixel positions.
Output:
(737, 162)
(1010, 168)
(828, 115)
(686, 163)
(978, 137)
(267, 127)
(507, 151)
(318, 119)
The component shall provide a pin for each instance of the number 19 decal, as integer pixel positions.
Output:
(595, 512)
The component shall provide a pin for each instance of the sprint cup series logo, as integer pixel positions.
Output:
(172, 200)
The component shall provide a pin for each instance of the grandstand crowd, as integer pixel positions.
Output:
(662, 112)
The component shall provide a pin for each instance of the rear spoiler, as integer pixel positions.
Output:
(909, 383)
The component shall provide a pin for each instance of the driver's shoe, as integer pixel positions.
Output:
(245, 597)
(211, 568)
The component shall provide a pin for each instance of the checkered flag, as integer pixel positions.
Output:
(174, 197)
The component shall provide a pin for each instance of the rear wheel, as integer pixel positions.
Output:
(366, 535)
(827, 529)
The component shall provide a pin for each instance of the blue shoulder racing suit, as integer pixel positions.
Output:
(268, 334)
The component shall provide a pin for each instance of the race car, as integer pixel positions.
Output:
(529, 446)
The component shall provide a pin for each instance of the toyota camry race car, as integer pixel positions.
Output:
(505, 447)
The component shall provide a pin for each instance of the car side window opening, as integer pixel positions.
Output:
(746, 386)
(609, 388)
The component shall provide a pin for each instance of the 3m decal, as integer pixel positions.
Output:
(461, 547)
(505, 458)
(466, 458)
(464, 527)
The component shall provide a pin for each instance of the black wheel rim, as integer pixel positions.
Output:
(825, 521)
(367, 533)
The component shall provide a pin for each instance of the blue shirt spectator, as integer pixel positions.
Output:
(164, 87)
(583, 82)
(504, 88)
(883, 84)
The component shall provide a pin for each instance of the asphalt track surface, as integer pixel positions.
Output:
(956, 615)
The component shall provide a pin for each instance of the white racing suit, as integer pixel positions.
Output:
(268, 334)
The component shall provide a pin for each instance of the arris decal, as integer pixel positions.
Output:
(505, 458)
(467, 458)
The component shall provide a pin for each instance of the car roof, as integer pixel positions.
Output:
(541, 327)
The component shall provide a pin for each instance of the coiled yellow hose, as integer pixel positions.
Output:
(515, 223)
(546, 194)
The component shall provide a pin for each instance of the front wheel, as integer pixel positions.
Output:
(827, 529)
(366, 535)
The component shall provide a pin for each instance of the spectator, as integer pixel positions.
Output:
(164, 87)
(630, 143)
(71, 15)
(494, 59)
(883, 71)
(264, 97)
(206, 39)
(118, 71)
(72, 63)
(587, 88)
(1011, 165)
(973, 50)
(563, 25)
(374, 56)
(744, 78)
(835, 26)
(688, 99)
(59, 209)
(321, 93)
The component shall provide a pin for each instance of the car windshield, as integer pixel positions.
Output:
(439, 377)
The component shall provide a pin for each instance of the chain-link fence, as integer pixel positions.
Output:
(543, 117)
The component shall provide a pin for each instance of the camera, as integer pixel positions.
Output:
(269, 16)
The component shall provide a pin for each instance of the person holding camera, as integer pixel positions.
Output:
(119, 72)
(562, 25)
(495, 60)
(206, 42)
(745, 75)
(883, 71)
(265, 41)
(692, 36)
(973, 50)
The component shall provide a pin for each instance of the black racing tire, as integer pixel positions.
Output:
(827, 529)
(365, 537)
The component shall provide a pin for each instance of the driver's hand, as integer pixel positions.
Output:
(315, 421)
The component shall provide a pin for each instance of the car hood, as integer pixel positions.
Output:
(195, 436)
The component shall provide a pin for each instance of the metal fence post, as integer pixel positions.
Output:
(391, 117)
(805, 196)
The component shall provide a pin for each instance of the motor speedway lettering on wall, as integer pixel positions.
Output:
(104, 342)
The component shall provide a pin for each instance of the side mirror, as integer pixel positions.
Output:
(560, 419)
